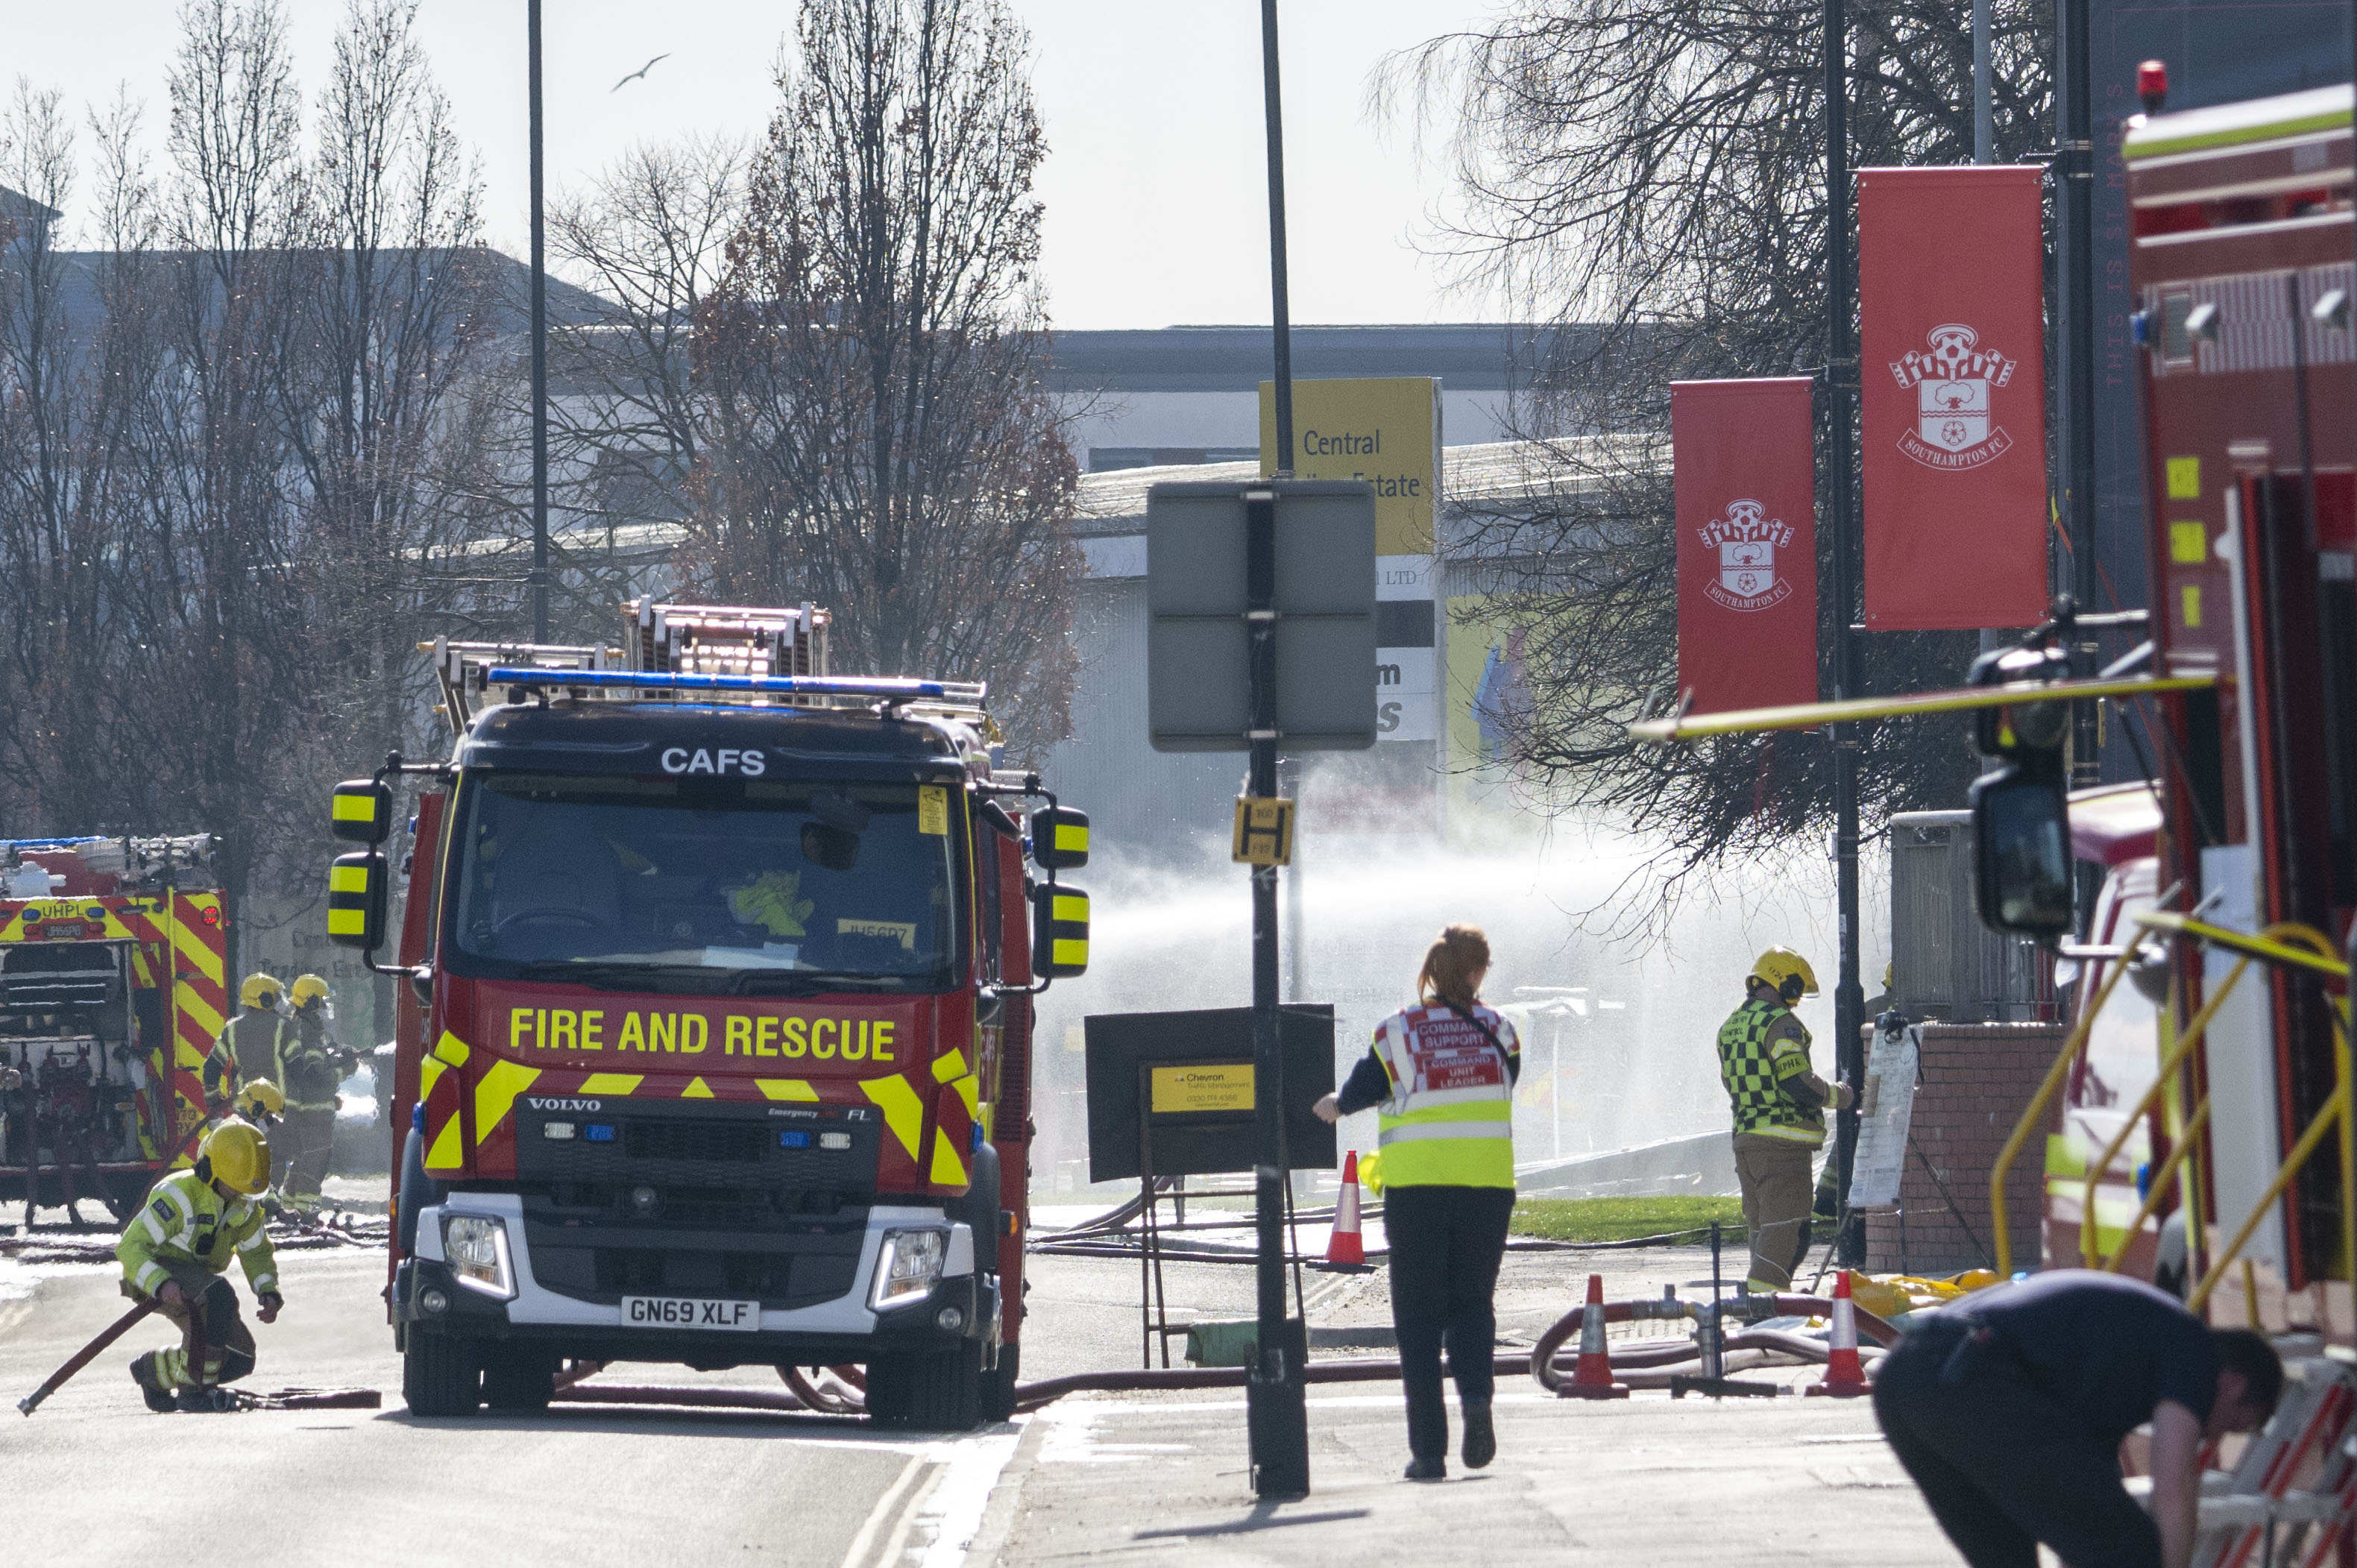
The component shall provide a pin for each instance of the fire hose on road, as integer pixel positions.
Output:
(1642, 1364)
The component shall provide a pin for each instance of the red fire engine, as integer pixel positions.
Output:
(112, 993)
(718, 1045)
(2230, 913)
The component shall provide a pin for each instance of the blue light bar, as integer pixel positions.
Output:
(659, 680)
(50, 844)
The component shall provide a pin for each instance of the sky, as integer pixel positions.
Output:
(1156, 208)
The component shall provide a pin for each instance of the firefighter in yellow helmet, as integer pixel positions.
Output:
(174, 1253)
(247, 1046)
(1779, 1105)
(310, 1064)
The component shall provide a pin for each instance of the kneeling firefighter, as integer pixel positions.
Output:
(174, 1253)
(1779, 1109)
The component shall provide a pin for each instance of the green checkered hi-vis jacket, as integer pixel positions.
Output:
(1762, 1047)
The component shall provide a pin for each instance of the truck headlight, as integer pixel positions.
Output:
(476, 1247)
(907, 1266)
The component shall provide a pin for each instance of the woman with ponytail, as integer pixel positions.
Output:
(1443, 1074)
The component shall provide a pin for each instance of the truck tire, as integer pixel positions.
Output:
(518, 1380)
(998, 1384)
(438, 1375)
(936, 1391)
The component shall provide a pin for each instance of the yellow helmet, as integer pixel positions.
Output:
(261, 1096)
(307, 987)
(238, 1155)
(1786, 971)
(260, 990)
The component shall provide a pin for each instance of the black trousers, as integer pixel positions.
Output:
(2002, 1464)
(1446, 1242)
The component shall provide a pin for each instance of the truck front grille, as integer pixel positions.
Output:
(712, 1142)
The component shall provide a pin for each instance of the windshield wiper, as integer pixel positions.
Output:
(809, 982)
(611, 975)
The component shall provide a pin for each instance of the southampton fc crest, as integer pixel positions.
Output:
(1951, 379)
(1747, 540)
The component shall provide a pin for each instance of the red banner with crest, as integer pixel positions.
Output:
(1953, 403)
(1747, 504)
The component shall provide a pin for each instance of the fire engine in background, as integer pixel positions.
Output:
(2213, 1088)
(112, 953)
(718, 1045)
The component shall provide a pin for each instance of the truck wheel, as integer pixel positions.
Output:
(517, 1381)
(998, 1384)
(939, 1390)
(438, 1375)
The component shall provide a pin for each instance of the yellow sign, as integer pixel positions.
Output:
(932, 810)
(1386, 432)
(1204, 1086)
(1263, 832)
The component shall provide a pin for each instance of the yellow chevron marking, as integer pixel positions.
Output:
(696, 1089)
(903, 1112)
(445, 1155)
(452, 1050)
(495, 1096)
(189, 943)
(949, 1067)
(947, 1169)
(786, 1088)
(969, 1089)
(429, 1071)
(612, 1083)
(206, 1019)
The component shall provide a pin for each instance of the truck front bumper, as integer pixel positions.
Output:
(429, 1295)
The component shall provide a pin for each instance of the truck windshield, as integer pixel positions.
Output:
(554, 871)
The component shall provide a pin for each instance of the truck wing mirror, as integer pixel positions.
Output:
(1059, 932)
(1059, 838)
(2021, 851)
(362, 812)
(356, 899)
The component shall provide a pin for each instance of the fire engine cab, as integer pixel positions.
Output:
(717, 1045)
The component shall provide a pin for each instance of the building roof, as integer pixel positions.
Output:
(1113, 501)
(1467, 356)
(511, 286)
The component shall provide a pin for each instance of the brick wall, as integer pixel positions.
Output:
(1976, 1078)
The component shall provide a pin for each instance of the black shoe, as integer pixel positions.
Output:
(205, 1401)
(1427, 1470)
(1481, 1438)
(158, 1398)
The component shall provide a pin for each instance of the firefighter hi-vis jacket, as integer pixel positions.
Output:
(1763, 1055)
(186, 1223)
(1451, 1118)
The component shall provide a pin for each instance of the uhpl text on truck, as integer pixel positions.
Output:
(717, 1045)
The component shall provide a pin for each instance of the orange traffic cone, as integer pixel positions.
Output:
(1344, 1247)
(1591, 1379)
(1844, 1374)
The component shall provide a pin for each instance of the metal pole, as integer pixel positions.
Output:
(539, 354)
(1984, 110)
(1280, 307)
(1275, 1397)
(2074, 169)
(1841, 384)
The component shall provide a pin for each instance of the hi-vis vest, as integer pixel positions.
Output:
(1449, 1121)
(1754, 1070)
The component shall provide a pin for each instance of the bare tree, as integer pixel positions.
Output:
(884, 441)
(1652, 171)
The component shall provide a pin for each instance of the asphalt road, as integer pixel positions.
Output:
(94, 1478)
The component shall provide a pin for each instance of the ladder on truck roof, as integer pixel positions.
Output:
(708, 653)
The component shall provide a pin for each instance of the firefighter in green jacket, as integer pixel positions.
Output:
(310, 1064)
(247, 1047)
(1779, 1105)
(174, 1253)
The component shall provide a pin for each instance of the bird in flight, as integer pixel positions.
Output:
(637, 73)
